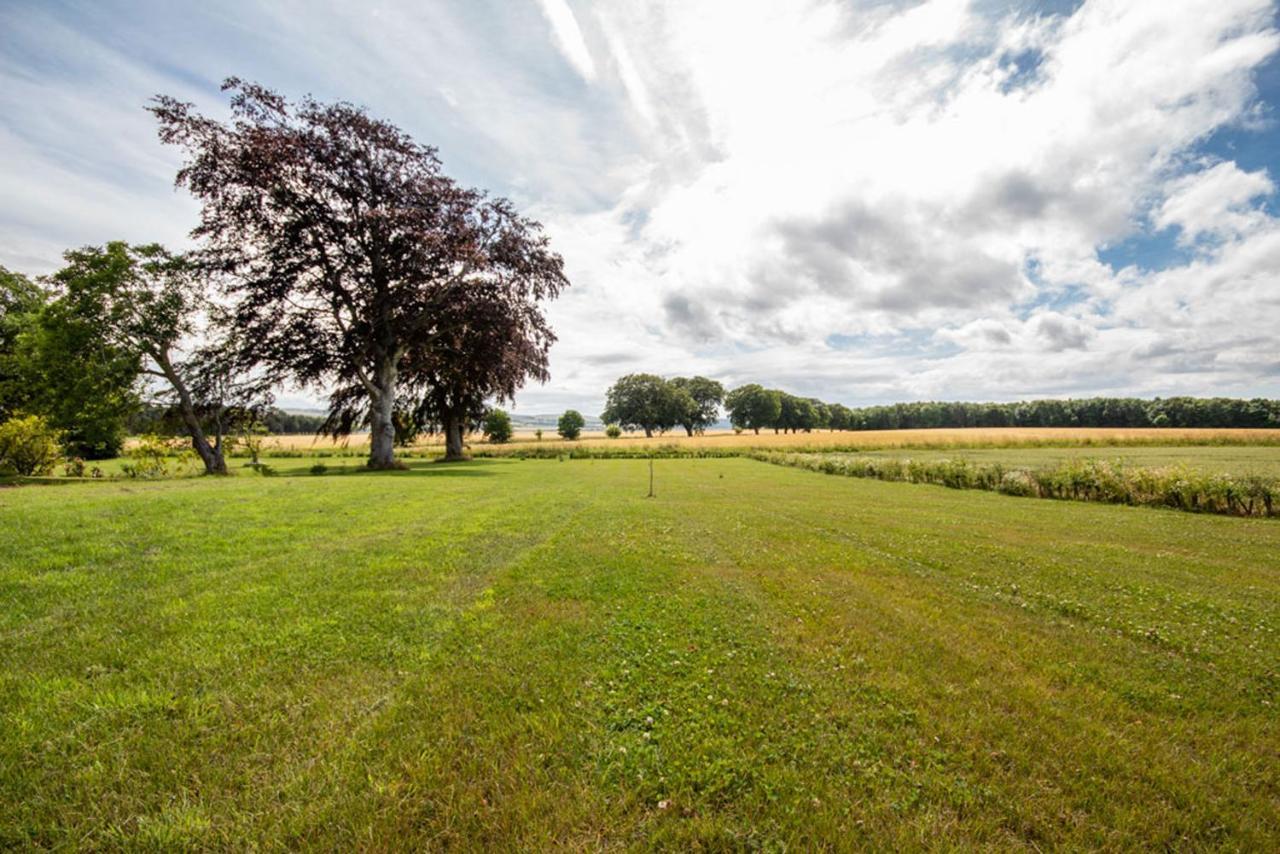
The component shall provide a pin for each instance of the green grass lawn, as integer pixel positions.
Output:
(509, 654)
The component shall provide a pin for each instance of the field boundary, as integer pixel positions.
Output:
(1175, 487)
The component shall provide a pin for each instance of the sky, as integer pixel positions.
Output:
(864, 202)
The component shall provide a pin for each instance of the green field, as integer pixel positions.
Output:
(528, 654)
(1228, 459)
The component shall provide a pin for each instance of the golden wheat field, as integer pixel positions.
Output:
(862, 439)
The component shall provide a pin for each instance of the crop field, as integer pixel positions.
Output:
(944, 438)
(524, 654)
(1228, 459)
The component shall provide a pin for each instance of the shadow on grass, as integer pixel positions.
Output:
(412, 468)
(51, 480)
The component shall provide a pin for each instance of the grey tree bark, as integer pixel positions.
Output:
(382, 429)
(453, 439)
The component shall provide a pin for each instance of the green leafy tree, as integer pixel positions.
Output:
(821, 414)
(86, 385)
(699, 406)
(497, 426)
(20, 303)
(570, 424)
(1083, 412)
(147, 302)
(643, 402)
(752, 406)
(839, 417)
(58, 364)
(796, 414)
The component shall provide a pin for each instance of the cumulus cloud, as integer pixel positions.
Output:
(1215, 202)
(1060, 332)
(863, 201)
(879, 171)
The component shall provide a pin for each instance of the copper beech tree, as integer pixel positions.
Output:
(350, 256)
(489, 343)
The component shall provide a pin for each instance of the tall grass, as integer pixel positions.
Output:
(1179, 487)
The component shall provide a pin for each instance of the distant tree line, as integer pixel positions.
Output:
(162, 420)
(1081, 412)
(655, 405)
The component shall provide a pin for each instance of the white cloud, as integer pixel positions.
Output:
(1217, 202)
(861, 201)
(870, 174)
(568, 36)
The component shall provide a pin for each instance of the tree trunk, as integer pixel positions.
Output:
(211, 456)
(453, 439)
(688, 430)
(382, 428)
(757, 429)
(648, 432)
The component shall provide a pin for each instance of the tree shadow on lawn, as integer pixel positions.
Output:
(414, 468)
(15, 481)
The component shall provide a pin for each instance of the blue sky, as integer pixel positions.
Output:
(864, 202)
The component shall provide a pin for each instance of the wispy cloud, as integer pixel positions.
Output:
(862, 201)
(568, 36)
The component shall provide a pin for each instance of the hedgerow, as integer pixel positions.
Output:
(1179, 487)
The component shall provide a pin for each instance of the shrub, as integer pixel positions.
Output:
(74, 467)
(497, 426)
(613, 431)
(28, 446)
(537, 434)
(252, 438)
(571, 424)
(148, 459)
(1018, 482)
(319, 468)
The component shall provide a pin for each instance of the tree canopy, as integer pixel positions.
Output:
(21, 301)
(149, 304)
(497, 426)
(60, 363)
(345, 242)
(570, 424)
(698, 402)
(643, 402)
(752, 407)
